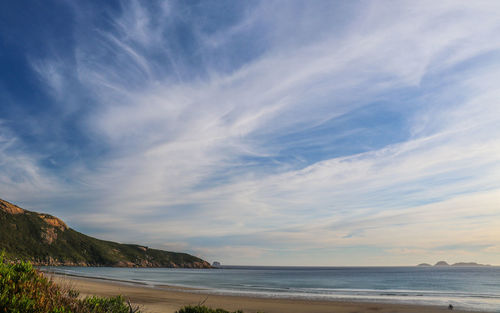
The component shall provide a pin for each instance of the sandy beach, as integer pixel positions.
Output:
(165, 299)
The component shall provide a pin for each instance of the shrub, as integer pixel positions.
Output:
(24, 290)
(105, 305)
(203, 309)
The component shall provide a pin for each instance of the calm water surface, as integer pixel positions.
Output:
(472, 288)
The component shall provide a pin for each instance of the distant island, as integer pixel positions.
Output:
(46, 240)
(459, 264)
(424, 265)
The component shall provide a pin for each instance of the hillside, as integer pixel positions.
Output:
(46, 240)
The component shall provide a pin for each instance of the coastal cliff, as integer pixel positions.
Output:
(46, 240)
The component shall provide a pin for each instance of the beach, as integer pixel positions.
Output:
(168, 299)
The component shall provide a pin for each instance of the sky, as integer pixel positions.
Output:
(319, 133)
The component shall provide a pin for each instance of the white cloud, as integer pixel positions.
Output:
(172, 139)
(21, 178)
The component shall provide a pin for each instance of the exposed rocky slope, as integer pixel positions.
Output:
(46, 240)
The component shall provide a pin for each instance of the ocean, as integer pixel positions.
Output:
(469, 288)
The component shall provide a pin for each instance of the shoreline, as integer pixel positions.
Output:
(168, 299)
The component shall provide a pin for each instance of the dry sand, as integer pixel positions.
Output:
(165, 299)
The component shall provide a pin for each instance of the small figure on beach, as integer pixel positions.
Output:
(450, 307)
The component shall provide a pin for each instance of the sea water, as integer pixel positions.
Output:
(469, 288)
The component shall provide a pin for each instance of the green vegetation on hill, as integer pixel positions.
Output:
(46, 240)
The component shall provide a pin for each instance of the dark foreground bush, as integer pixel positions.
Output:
(24, 290)
(203, 309)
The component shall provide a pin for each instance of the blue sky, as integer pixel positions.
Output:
(259, 132)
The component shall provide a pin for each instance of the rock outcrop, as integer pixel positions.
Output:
(424, 265)
(10, 208)
(442, 263)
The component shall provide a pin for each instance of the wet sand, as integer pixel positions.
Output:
(167, 299)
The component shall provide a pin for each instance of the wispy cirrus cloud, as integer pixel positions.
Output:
(251, 135)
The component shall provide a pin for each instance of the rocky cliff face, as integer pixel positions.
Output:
(50, 261)
(10, 208)
(46, 240)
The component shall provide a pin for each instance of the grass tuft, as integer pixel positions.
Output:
(203, 309)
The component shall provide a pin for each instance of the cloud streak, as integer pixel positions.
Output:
(372, 137)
